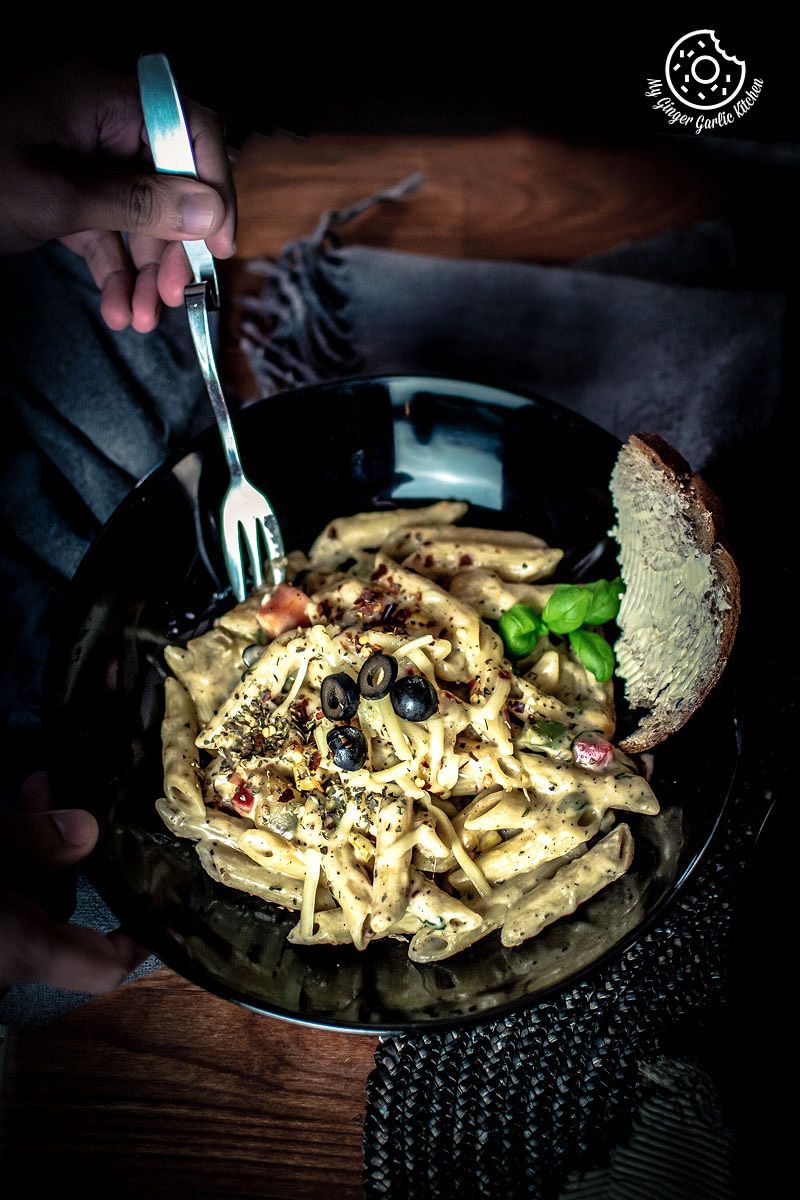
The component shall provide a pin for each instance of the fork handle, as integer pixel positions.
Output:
(171, 150)
(196, 296)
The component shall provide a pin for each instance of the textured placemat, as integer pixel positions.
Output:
(514, 1107)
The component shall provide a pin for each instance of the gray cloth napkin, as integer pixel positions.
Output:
(87, 412)
(634, 340)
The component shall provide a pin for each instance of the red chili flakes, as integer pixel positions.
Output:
(380, 571)
(504, 674)
(314, 761)
(465, 560)
(286, 796)
(409, 670)
(428, 560)
(370, 605)
(318, 715)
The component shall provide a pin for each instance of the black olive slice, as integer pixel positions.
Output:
(414, 699)
(348, 747)
(377, 676)
(339, 697)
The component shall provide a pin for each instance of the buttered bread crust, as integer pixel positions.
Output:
(680, 610)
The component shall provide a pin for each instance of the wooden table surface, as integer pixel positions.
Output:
(160, 1089)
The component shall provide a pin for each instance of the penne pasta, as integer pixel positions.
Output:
(179, 757)
(385, 770)
(572, 885)
(209, 668)
(391, 872)
(235, 870)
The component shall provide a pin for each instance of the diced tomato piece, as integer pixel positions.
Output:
(593, 752)
(243, 800)
(286, 608)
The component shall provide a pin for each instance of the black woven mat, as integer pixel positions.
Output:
(516, 1107)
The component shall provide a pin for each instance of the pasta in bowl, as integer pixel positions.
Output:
(373, 446)
(411, 739)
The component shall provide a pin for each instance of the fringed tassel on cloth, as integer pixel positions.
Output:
(296, 331)
(679, 1147)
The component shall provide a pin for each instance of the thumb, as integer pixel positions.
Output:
(36, 950)
(163, 206)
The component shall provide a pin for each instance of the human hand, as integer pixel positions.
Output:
(75, 165)
(36, 945)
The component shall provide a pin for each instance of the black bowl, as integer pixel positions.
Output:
(155, 574)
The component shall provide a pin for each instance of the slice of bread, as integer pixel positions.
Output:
(680, 610)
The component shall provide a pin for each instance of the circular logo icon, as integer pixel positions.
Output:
(700, 74)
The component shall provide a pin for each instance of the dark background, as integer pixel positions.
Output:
(388, 72)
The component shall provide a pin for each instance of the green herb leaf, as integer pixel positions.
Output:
(567, 608)
(520, 628)
(573, 803)
(606, 595)
(551, 732)
(594, 652)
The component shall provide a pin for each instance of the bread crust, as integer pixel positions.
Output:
(706, 519)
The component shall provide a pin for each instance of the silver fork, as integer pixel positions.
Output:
(246, 514)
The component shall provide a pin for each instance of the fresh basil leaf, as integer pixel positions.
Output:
(520, 628)
(606, 595)
(594, 652)
(567, 608)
